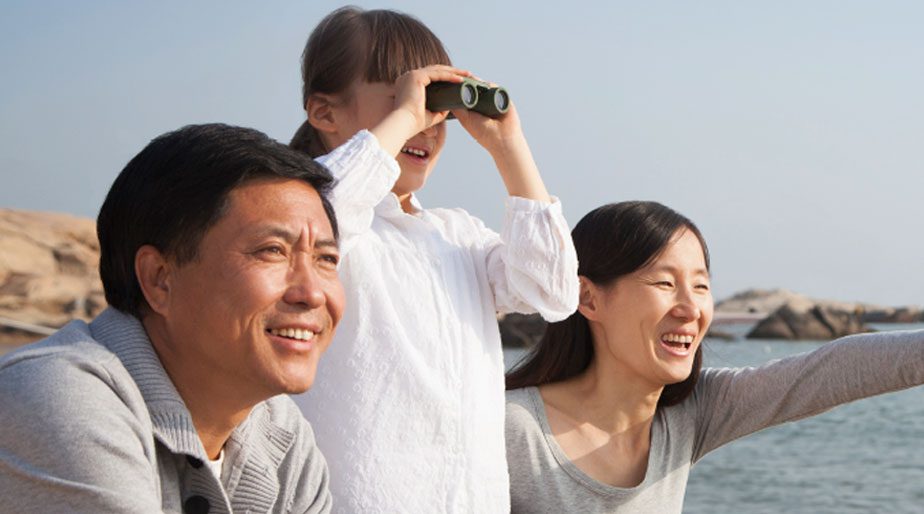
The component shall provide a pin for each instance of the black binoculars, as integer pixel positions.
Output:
(470, 94)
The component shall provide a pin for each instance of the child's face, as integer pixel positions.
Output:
(368, 104)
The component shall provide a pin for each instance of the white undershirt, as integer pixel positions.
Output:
(216, 464)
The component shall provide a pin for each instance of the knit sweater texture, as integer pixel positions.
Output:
(92, 423)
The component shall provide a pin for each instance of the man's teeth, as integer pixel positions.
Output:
(677, 338)
(414, 151)
(293, 333)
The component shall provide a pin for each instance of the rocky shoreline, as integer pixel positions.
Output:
(49, 276)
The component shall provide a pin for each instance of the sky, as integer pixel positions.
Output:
(791, 132)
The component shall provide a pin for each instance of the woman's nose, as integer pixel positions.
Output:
(686, 308)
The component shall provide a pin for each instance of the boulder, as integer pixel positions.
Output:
(521, 330)
(818, 323)
(48, 272)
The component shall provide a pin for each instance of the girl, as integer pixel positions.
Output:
(611, 409)
(408, 406)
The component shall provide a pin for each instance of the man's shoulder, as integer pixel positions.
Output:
(67, 373)
(73, 346)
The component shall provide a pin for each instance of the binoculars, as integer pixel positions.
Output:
(469, 94)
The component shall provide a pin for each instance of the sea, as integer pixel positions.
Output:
(863, 457)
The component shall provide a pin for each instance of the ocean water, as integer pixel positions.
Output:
(863, 457)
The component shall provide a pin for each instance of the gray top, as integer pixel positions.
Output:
(725, 405)
(92, 423)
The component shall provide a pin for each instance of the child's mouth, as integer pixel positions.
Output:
(414, 152)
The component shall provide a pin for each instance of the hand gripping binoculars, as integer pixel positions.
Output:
(469, 94)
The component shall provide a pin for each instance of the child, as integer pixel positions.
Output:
(409, 404)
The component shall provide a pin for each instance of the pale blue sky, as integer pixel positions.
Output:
(792, 132)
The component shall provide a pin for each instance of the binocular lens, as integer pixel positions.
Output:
(501, 100)
(469, 95)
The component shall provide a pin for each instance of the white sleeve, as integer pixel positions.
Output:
(532, 265)
(364, 174)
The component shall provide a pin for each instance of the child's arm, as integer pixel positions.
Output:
(532, 264)
(365, 168)
(503, 138)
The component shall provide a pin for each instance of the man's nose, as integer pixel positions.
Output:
(304, 286)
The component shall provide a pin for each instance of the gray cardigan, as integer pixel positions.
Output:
(92, 423)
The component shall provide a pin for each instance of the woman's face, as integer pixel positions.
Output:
(652, 321)
(367, 104)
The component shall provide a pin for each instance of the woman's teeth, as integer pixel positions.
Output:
(293, 333)
(417, 152)
(677, 339)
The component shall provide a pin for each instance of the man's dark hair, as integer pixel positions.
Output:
(174, 190)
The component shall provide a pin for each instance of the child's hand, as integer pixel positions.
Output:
(411, 95)
(410, 115)
(494, 134)
(503, 138)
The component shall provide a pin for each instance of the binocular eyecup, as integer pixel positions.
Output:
(469, 94)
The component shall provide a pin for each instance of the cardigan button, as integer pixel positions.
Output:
(194, 462)
(196, 505)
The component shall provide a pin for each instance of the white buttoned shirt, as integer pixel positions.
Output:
(408, 402)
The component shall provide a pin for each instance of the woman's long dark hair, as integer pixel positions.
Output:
(611, 241)
(349, 43)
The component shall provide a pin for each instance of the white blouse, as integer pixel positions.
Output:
(408, 403)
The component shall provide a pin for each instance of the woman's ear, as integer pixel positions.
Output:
(153, 273)
(320, 110)
(588, 299)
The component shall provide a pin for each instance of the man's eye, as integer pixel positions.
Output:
(702, 287)
(273, 250)
(331, 259)
(664, 283)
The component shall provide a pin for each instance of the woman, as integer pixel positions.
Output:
(611, 409)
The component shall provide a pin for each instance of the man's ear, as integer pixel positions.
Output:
(153, 273)
(588, 301)
(321, 115)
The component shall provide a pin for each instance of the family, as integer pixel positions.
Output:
(232, 263)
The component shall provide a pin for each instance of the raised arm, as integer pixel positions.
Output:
(532, 264)
(731, 403)
(365, 174)
(365, 166)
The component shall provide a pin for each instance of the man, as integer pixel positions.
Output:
(219, 262)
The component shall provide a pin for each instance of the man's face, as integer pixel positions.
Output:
(258, 306)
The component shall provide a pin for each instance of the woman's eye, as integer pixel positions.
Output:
(702, 287)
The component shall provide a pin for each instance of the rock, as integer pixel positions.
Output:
(521, 330)
(893, 315)
(818, 323)
(722, 335)
(763, 301)
(48, 271)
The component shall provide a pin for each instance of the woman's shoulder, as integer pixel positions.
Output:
(521, 408)
(521, 403)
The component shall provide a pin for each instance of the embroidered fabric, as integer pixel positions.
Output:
(408, 403)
